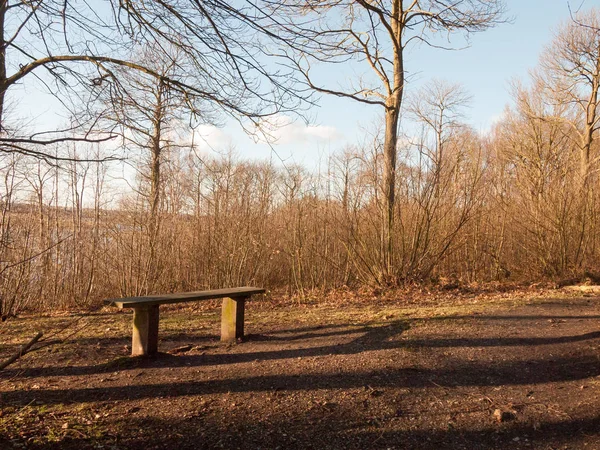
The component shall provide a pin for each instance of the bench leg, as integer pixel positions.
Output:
(145, 331)
(232, 319)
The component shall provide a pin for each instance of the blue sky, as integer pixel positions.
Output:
(486, 68)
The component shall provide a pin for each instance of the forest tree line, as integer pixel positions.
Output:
(518, 202)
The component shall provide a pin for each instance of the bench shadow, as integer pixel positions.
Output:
(370, 335)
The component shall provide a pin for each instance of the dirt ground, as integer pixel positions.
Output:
(491, 373)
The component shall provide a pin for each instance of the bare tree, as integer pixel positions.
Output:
(377, 34)
(438, 107)
(444, 189)
(69, 49)
(570, 70)
(147, 115)
(569, 77)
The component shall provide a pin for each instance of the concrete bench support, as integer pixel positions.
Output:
(145, 330)
(232, 319)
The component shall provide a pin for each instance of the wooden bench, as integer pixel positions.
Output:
(145, 314)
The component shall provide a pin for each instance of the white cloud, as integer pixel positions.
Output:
(210, 137)
(283, 130)
(323, 132)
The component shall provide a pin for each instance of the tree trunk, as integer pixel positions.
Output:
(389, 193)
(3, 8)
(390, 143)
(155, 186)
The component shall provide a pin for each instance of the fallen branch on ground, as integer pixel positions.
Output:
(24, 349)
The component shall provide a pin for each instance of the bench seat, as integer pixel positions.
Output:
(145, 314)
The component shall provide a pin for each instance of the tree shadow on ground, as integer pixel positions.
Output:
(457, 374)
(331, 429)
(358, 339)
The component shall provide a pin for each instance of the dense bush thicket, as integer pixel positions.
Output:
(502, 206)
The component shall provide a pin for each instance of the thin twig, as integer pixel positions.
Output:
(24, 349)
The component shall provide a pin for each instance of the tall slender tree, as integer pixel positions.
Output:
(375, 33)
